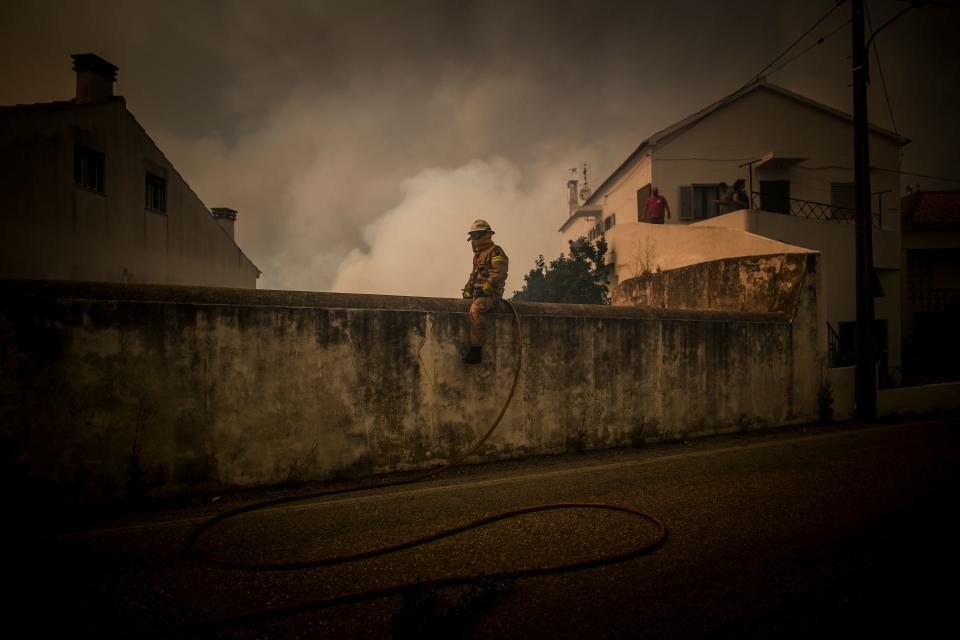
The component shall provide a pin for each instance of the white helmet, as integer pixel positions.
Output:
(478, 228)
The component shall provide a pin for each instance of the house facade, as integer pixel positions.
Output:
(931, 285)
(87, 195)
(795, 157)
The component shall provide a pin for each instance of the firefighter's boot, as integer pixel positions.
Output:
(472, 356)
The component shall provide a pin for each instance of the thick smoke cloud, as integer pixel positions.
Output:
(420, 248)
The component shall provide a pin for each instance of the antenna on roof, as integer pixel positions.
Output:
(585, 191)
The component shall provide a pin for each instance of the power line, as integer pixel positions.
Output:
(883, 82)
(918, 175)
(795, 43)
(819, 41)
(875, 168)
(816, 24)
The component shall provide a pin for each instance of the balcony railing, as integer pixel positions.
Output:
(806, 208)
(838, 357)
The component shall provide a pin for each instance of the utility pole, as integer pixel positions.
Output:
(866, 372)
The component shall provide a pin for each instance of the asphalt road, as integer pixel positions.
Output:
(814, 531)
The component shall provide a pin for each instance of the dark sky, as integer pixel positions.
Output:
(358, 140)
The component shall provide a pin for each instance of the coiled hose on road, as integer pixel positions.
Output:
(193, 541)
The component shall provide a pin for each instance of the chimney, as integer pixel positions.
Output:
(95, 78)
(227, 219)
(574, 201)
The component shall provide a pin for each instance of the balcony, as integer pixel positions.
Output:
(808, 209)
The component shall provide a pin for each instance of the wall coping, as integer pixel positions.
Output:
(13, 289)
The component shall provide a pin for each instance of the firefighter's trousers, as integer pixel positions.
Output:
(478, 318)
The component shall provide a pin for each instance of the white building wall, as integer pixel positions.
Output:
(658, 247)
(620, 199)
(763, 121)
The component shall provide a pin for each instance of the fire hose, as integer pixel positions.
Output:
(194, 549)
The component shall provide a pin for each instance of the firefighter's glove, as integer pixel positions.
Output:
(467, 292)
(487, 289)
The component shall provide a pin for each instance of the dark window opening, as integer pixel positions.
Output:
(699, 201)
(88, 168)
(775, 196)
(610, 221)
(156, 196)
(847, 346)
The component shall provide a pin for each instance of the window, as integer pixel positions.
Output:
(842, 196)
(595, 232)
(156, 196)
(699, 201)
(775, 196)
(848, 341)
(88, 168)
(610, 221)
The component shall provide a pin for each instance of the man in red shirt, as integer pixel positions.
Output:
(655, 206)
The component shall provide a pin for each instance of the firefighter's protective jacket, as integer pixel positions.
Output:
(489, 266)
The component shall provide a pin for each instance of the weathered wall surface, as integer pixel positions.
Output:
(637, 248)
(766, 284)
(787, 285)
(835, 242)
(842, 388)
(109, 390)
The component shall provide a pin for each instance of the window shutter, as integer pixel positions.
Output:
(842, 197)
(686, 203)
(642, 194)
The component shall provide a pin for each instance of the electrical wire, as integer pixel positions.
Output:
(760, 73)
(883, 82)
(819, 41)
(874, 168)
(795, 43)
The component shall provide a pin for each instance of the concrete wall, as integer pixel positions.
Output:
(843, 387)
(900, 401)
(921, 399)
(636, 248)
(117, 389)
(765, 284)
(835, 242)
(53, 229)
(787, 285)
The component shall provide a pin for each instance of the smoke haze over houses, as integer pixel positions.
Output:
(359, 140)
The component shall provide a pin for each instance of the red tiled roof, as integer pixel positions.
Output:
(931, 208)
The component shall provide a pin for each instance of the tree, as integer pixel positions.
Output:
(578, 278)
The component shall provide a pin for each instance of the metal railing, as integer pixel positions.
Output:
(836, 356)
(805, 208)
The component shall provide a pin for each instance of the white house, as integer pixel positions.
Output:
(795, 156)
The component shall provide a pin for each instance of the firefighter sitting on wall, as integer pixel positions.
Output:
(485, 286)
